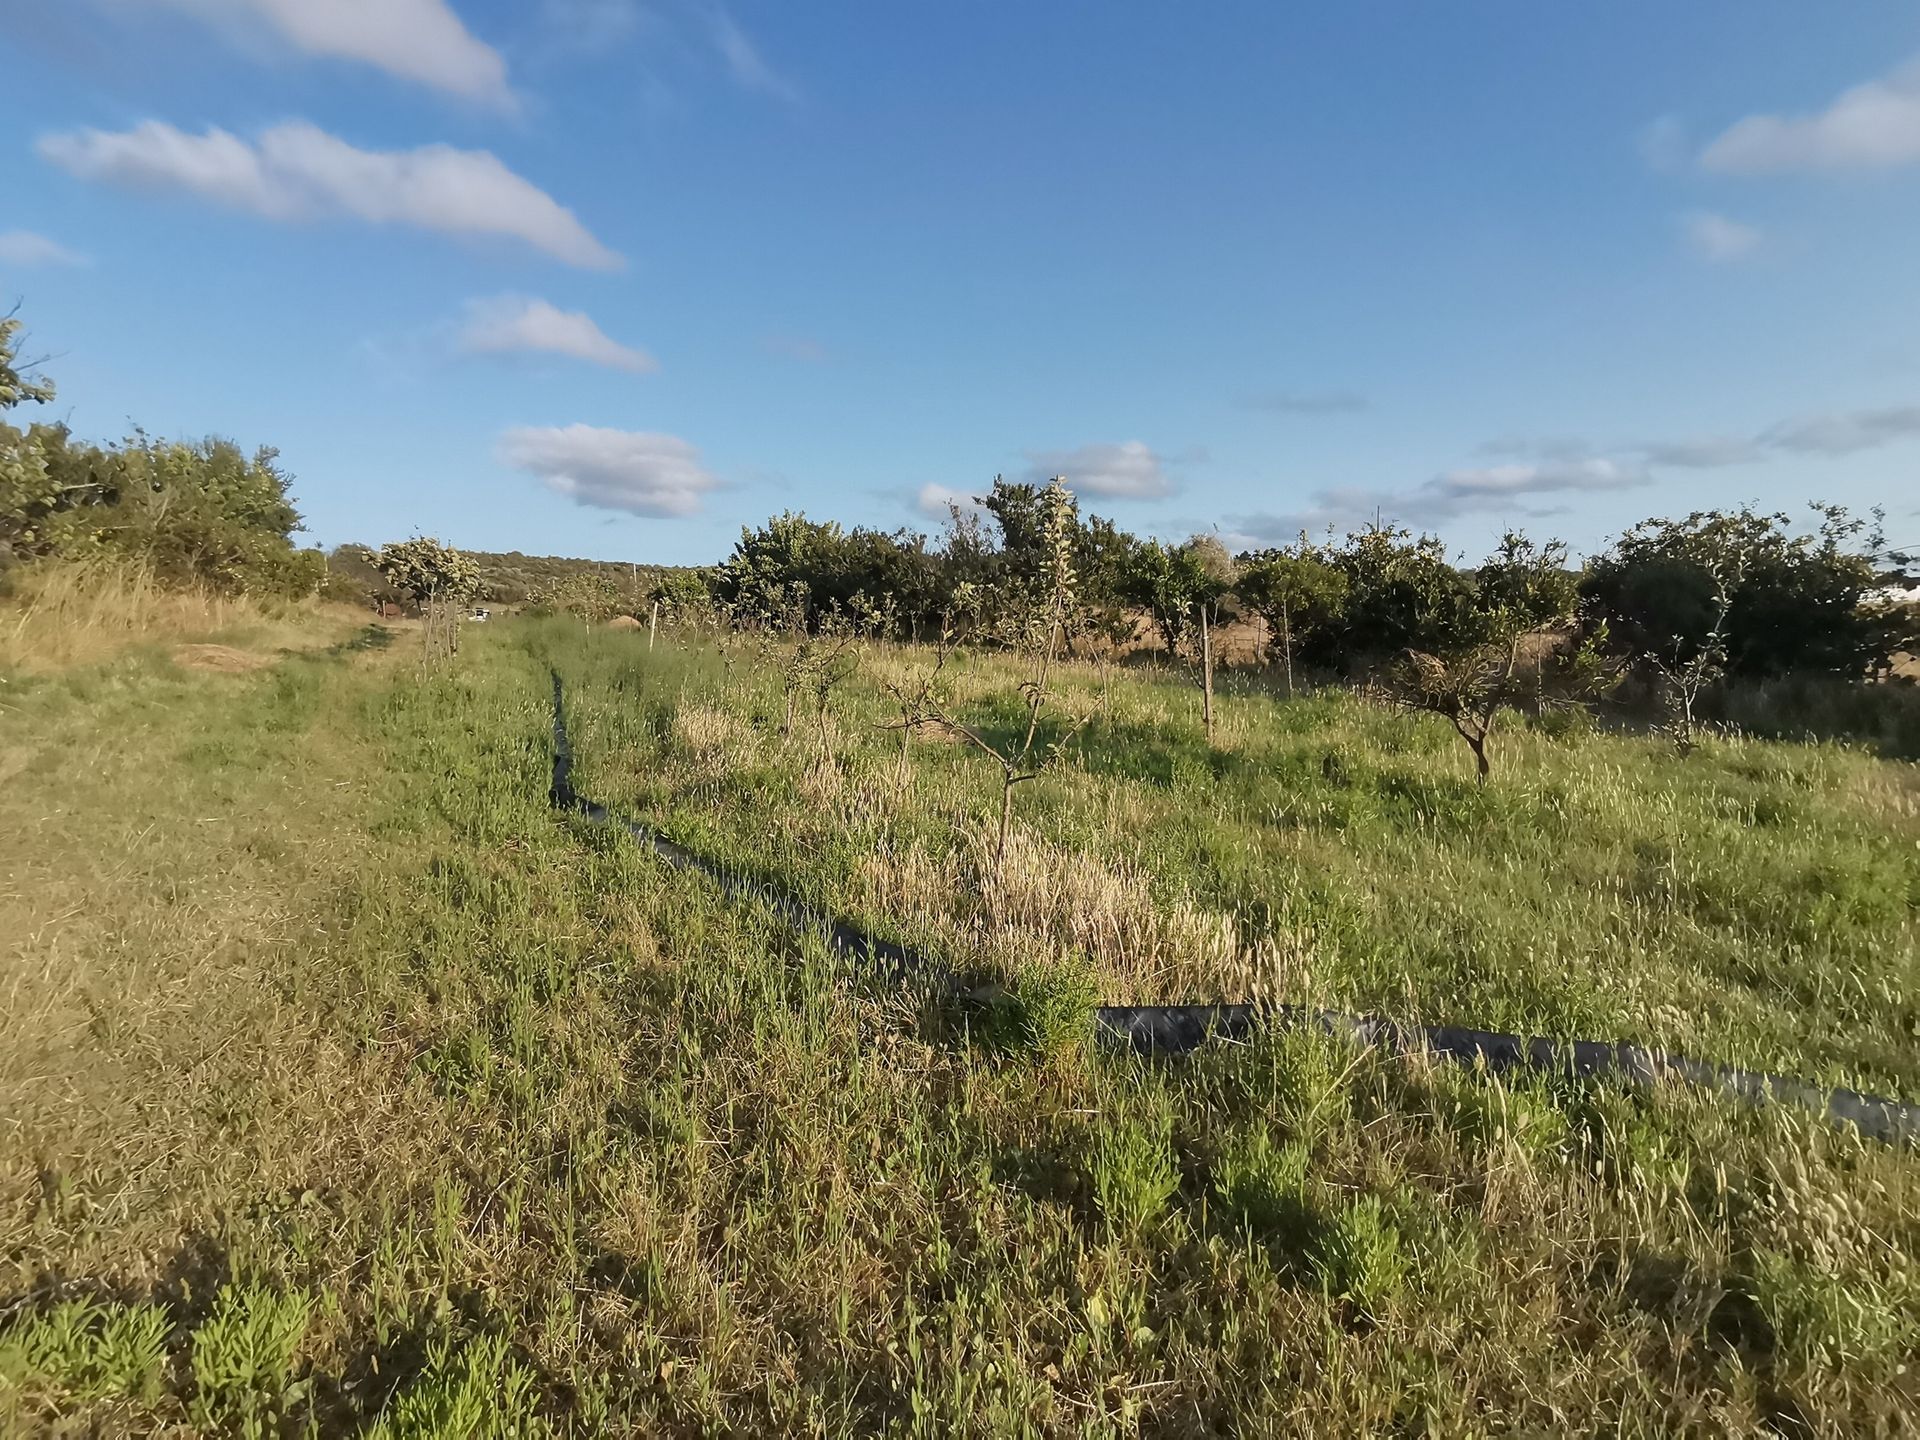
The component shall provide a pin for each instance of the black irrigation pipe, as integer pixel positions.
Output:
(1179, 1029)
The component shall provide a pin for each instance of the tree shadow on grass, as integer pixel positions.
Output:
(373, 637)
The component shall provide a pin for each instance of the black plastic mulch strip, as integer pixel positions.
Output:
(1178, 1029)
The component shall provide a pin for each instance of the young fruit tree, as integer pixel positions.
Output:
(1182, 586)
(1048, 623)
(590, 596)
(437, 579)
(1687, 668)
(1525, 591)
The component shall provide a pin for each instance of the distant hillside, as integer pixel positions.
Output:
(511, 578)
(505, 579)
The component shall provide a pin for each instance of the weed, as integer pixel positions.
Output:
(243, 1358)
(88, 1350)
(476, 1391)
(1358, 1256)
(1133, 1171)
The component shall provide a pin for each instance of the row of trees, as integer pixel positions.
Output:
(201, 512)
(1762, 595)
(1676, 603)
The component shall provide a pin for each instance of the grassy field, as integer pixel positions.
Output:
(345, 1085)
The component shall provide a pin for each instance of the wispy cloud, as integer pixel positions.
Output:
(1664, 144)
(590, 26)
(795, 347)
(420, 41)
(1514, 490)
(1537, 476)
(637, 472)
(938, 501)
(1129, 470)
(504, 324)
(297, 171)
(1716, 238)
(1709, 452)
(26, 249)
(744, 62)
(1875, 126)
(1303, 402)
(1494, 485)
(1845, 433)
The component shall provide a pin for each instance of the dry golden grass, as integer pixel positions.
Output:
(1046, 899)
(87, 612)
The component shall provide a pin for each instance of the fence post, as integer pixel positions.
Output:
(1206, 673)
(652, 620)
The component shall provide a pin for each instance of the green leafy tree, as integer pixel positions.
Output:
(427, 572)
(589, 595)
(1402, 594)
(1800, 600)
(29, 493)
(1175, 583)
(1297, 592)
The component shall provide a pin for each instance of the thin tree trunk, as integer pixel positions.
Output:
(1006, 819)
(1478, 744)
(1039, 696)
(1206, 674)
(1286, 644)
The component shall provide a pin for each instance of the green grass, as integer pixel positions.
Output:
(378, 1097)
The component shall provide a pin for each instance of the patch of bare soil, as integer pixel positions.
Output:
(223, 659)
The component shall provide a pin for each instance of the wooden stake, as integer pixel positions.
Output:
(1206, 673)
(652, 621)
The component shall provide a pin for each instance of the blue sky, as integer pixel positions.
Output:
(614, 277)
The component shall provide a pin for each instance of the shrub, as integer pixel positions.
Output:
(1794, 603)
(1053, 1003)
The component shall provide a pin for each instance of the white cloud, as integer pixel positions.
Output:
(637, 471)
(422, 41)
(1303, 402)
(508, 323)
(744, 61)
(24, 248)
(297, 171)
(1846, 432)
(1126, 471)
(1874, 126)
(937, 501)
(1716, 238)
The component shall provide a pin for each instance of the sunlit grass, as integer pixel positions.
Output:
(384, 1095)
